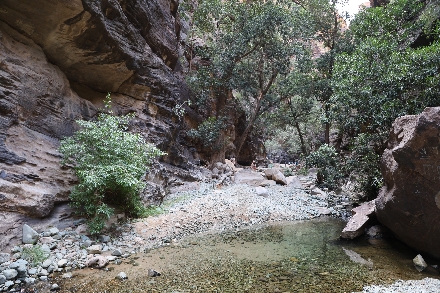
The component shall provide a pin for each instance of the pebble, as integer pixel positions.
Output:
(427, 285)
(121, 276)
(55, 287)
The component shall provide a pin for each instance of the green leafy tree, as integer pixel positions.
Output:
(298, 109)
(109, 162)
(391, 70)
(386, 75)
(328, 163)
(250, 46)
(329, 28)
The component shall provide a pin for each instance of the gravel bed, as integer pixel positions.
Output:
(427, 285)
(235, 207)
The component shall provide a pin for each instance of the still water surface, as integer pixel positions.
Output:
(286, 257)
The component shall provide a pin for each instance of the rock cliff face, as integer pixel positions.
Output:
(409, 203)
(58, 59)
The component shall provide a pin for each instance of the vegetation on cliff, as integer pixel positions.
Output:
(109, 162)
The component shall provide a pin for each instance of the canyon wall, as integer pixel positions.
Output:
(58, 60)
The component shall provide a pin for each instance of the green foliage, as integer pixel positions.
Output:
(327, 161)
(363, 166)
(250, 46)
(109, 162)
(208, 132)
(385, 76)
(34, 255)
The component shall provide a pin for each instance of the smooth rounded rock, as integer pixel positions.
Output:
(94, 249)
(10, 274)
(121, 276)
(62, 263)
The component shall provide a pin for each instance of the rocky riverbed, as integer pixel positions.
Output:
(52, 256)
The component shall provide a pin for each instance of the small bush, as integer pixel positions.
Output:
(363, 166)
(109, 162)
(208, 132)
(34, 255)
(329, 168)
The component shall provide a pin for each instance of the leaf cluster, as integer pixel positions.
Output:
(109, 162)
(208, 132)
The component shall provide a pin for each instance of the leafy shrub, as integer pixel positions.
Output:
(208, 132)
(363, 166)
(34, 255)
(109, 163)
(329, 167)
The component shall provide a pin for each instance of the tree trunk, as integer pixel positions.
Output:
(243, 137)
(301, 138)
(327, 124)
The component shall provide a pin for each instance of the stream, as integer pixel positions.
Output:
(302, 256)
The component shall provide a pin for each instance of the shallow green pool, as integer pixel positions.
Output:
(288, 257)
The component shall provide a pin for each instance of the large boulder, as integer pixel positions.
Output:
(248, 177)
(276, 175)
(409, 202)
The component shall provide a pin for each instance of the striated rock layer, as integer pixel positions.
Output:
(409, 203)
(58, 59)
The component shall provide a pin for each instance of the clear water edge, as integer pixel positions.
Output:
(303, 256)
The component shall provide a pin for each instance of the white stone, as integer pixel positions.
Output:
(261, 191)
(62, 263)
(94, 249)
(121, 276)
(419, 263)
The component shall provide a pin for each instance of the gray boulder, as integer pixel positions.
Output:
(10, 274)
(8, 284)
(356, 225)
(276, 175)
(104, 238)
(248, 177)
(53, 231)
(2, 279)
(30, 236)
(117, 252)
(261, 191)
(4, 257)
(94, 249)
(293, 181)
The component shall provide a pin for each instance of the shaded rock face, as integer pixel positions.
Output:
(409, 203)
(58, 60)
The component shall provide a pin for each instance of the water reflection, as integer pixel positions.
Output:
(286, 257)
